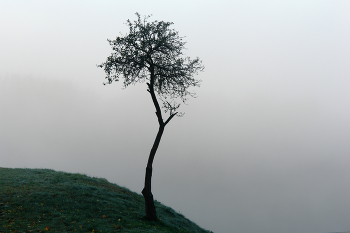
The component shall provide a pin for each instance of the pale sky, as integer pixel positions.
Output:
(265, 147)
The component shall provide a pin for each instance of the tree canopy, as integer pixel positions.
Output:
(152, 52)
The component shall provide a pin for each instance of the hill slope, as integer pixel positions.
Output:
(39, 200)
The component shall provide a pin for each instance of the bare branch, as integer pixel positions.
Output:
(169, 118)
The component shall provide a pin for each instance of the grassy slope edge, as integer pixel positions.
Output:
(39, 200)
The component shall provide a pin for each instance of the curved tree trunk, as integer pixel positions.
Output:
(151, 213)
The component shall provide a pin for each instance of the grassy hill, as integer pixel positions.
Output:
(39, 200)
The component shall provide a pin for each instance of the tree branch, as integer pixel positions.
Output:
(156, 104)
(169, 118)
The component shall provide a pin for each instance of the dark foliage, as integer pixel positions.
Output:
(152, 52)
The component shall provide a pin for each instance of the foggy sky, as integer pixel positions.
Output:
(263, 148)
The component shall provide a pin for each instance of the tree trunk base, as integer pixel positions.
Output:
(151, 213)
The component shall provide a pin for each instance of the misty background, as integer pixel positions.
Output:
(265, 146)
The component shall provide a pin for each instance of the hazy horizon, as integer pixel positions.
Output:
(263, 148)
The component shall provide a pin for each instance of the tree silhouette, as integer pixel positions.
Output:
(152, 52)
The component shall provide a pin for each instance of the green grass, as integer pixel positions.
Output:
(40, 200)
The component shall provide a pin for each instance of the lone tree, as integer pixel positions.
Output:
(152, 52)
